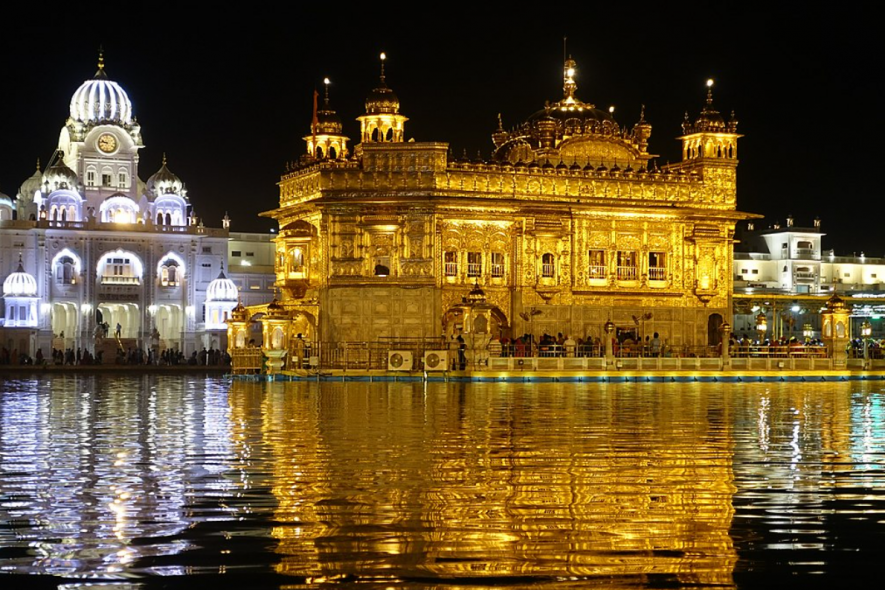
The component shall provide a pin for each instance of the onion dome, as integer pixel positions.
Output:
(222, 289)
(709, 120)
(476, 295)
(163, 181)
(58, 175)
(30, 187)
(239, 313)
(382, 99)
(834, 304)
(575, 167)
(328, 122)
(275, 310)
(5, 200)
(34, 183)
(101, 100)
(20, 283)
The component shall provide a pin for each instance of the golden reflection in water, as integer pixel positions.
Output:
(497, 480)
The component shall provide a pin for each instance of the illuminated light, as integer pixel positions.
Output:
(710, 83)
(152, 309)
(704, 283)
(570, 72)
(189, 310)
(245, 263)
(611, 110)
(383, 56)
(45, 308)
(326, 81)
(755, 308)
(795, 308)
(86, 308)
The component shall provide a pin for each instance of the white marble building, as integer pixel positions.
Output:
(86, 242)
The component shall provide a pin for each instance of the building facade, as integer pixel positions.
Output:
(570, 223)
(99, 252)
(783, 272)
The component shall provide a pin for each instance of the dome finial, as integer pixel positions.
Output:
(500, 123)
(326, 83)
(38, 164)
(710, 91)
(383, 57)
(21, 267)
(569, 86)
(100, 58)
(164, 158)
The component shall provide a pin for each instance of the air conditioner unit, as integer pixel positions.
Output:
(399, 360)
(436, 360)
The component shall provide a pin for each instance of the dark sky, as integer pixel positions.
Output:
(228, 96)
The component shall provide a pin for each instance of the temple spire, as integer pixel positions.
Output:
(569, 86)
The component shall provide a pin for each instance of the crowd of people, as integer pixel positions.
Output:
(131, 356)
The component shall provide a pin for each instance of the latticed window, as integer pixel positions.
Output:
(628, 267)
(474, 264)
(497, 265)
(597, 268)
(548, 266)
(450, 263)
(64, 272)
(657, 266)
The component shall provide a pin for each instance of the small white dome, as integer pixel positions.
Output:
(222, 289)
(163, 182)
(5, 200)
(101, 100)
(20, 283)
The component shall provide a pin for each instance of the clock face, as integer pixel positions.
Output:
(107, 143)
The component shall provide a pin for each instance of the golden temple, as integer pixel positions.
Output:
(569, 224)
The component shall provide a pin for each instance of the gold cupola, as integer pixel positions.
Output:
(382, 121)
(326, 139)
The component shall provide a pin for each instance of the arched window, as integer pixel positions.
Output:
(319, 152)
(376, 134)
(389, 135)
(548, 266)
(160, 218)
(64, 271)
(168, 218)
(296, 259)
(333, 153)
(169, 274)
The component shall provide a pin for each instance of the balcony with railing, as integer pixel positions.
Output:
(450, 269)
(474, 269)
(627, 273)
(547, 270)
(657, 273)
(120, 280)
(805, 277)
(497, 270)
(597, 271)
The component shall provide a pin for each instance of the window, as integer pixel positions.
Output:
(105, 180)
(597, 268)
(497, 265)
(382, 266)
(64, 272)
(236, 253)
(122, 178)
(207, 250)
(118, 271)
(784, 245)
(627, 265)
(755, 271)
(873, 276)
(805, 245)
(90, 178)
(169, 274)
(657, 266)
(846, 275)
(451, 264)
(744, 271)
(250, 253)
(548, 266)
(474, 264)
(296, 260)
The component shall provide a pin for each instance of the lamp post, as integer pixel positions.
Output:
(609, 329)
(866, 330)
(761, 326)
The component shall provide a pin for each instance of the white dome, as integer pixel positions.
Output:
(101, 100)
(20, 283)
(222, 289)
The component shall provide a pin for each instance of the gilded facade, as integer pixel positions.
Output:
(568, 224)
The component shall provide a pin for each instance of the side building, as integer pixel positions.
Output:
(92, 254)
(568, 225)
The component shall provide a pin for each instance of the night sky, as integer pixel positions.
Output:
(228, 96)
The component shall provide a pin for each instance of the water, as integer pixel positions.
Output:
(168, 481)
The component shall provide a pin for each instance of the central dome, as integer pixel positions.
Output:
(101, 100)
